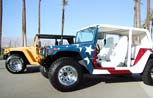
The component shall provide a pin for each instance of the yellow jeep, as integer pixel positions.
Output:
(18, 58)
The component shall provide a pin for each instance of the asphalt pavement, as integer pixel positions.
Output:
(32, 84)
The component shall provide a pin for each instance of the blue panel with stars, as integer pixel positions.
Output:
(86, 50)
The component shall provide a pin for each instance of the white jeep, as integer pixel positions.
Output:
(100, 49)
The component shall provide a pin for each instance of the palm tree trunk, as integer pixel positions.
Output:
(39, 16)
(152, 28)
(63, 17)
(151, 19)
(1, 14)
(64, 3)
(138, 14)
(135, 14)
(148, 15)
(24, 38)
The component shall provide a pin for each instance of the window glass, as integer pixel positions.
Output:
(85, 35)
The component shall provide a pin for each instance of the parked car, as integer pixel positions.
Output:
(100, 49)
(17, 58)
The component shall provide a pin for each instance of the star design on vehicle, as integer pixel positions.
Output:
(89, 50)
(87, 59)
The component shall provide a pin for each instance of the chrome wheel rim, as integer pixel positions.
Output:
(67, 75)
(15, 64)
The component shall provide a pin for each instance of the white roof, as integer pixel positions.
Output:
(121, 30)
(109, 28)
(112, 28)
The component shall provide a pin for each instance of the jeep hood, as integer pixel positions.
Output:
(51, 50)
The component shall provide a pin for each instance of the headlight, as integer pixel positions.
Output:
(45, 51)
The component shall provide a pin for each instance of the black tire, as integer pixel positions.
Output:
(14, 59)
(57, 74)
(44, 71)
(148, 72)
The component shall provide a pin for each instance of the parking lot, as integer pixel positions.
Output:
(32, 84)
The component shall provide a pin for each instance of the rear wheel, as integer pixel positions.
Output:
(65, 74)
(15, 63)
(147, 75)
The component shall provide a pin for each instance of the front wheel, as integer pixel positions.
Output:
(15, 63)
(147, 75)
(65, 74)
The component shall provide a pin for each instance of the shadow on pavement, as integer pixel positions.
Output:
(91, 80)
(96, 79)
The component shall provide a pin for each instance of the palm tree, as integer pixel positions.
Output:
(1, 14)
(151, 19)
(137, 14)
(64, 2)
(24, 38)
(39, 16)
(147, 24)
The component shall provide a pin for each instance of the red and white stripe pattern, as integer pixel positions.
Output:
(136, 66)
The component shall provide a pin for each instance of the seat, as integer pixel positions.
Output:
(105, 53)
(118, 55)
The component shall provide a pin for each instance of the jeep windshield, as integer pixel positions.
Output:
(86, 35)
(47, 39)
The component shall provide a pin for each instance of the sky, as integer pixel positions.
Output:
(78, 14)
